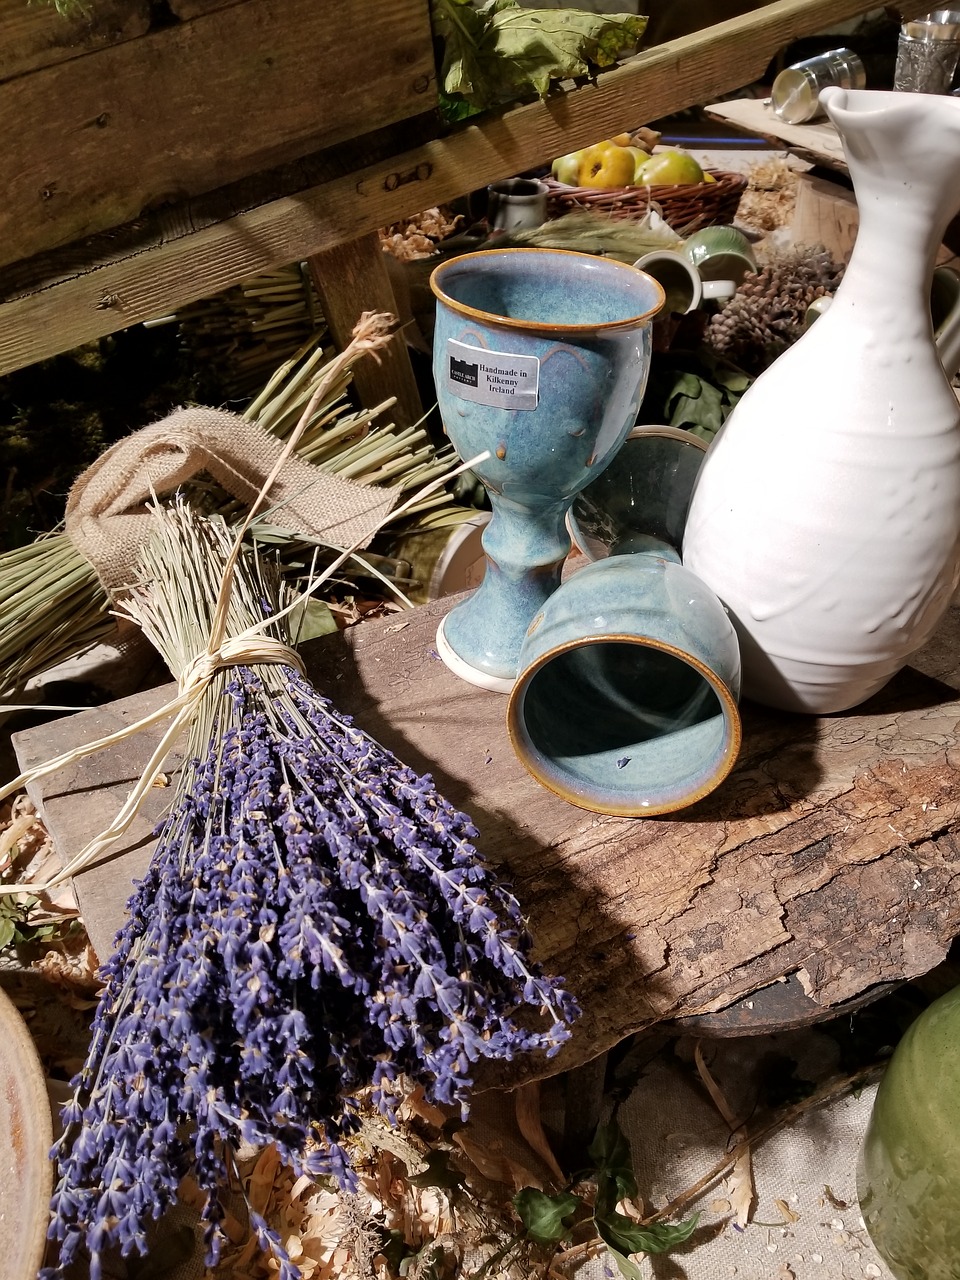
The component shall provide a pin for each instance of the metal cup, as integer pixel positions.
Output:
(795, 95)
(927, 53)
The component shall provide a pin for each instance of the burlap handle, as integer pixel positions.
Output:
(107, 517)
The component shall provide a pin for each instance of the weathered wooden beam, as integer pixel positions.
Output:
(89, 143)
(352, 278)
(36, 35)
(157, 276)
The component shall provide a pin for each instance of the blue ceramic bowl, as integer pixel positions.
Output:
(644, 493)
(626, 702)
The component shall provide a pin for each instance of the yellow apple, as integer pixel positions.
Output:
(607, 165)
(567, 168)
(672, 167)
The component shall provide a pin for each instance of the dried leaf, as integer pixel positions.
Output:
(739, 1184)
(530, 1125)
(495, 1165)
(415, 1102)
(502, 52)
(788, 1214)
(263, 1179)
(11, 837)
(831, 1196)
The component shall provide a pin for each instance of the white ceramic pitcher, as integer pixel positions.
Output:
(826, 515)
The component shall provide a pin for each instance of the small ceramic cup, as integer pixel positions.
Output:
(644, 493)
(680, 280)
(723, 256)
(626, 701)
(945, 312)
(516, 204)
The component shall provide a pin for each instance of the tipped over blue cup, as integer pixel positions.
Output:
(626, 702)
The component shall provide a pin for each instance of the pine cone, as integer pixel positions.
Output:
(767, 313)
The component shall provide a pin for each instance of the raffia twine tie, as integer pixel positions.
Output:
(243, 651)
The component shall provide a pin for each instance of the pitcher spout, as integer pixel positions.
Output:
(894, 140)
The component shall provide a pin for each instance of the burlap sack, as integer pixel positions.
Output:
(107, 517)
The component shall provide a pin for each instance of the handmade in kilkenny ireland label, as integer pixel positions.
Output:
(492, 377)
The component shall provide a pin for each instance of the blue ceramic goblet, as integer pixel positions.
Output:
(626, 701)
(541, 359)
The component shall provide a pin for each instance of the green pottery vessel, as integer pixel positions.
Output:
(909, 1176)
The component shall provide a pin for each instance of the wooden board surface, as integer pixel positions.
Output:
(831, 851)
(35, 35)
(91, 142)
(816, 141)
(181, 259)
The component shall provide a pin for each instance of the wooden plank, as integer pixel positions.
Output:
(825, 213)
(832, 850)
(350, 279)
(89, 143)
(157, 276)
(35, 35)
(187, 9)
(817, 141)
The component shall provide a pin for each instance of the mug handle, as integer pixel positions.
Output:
(719, 288)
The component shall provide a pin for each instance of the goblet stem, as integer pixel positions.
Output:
(525, 549)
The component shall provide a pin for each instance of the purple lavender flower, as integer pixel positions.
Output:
(315, 921)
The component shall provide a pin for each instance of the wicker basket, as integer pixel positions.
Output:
(684, 208)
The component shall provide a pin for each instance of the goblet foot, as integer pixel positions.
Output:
(466, 671)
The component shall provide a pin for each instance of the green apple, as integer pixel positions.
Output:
(672, 167)
(640, 157)
(566, 168)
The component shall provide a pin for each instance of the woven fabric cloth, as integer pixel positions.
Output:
(107, 516)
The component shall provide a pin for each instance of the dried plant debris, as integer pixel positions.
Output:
(27, 854)
(437, 1198)
(418, 237)
(771, 195)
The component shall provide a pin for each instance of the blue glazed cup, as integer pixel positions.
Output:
(626, 701)
(541, 359)
(644, 493)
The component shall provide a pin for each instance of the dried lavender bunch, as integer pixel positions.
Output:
(315, 920)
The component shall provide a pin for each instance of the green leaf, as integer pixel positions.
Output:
(705, 409)
(620, 1232)
(543, 1215)
(627, 1268)
(7, 931)
(610, 1153)
(503, 52)
(311, 618)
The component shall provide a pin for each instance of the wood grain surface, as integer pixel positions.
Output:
(91, 142)
(35, 35)
(830, 852)
(175, 260)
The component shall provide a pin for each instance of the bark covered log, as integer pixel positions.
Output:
(831, 852)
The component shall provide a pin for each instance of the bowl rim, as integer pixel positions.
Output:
(733, 736)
